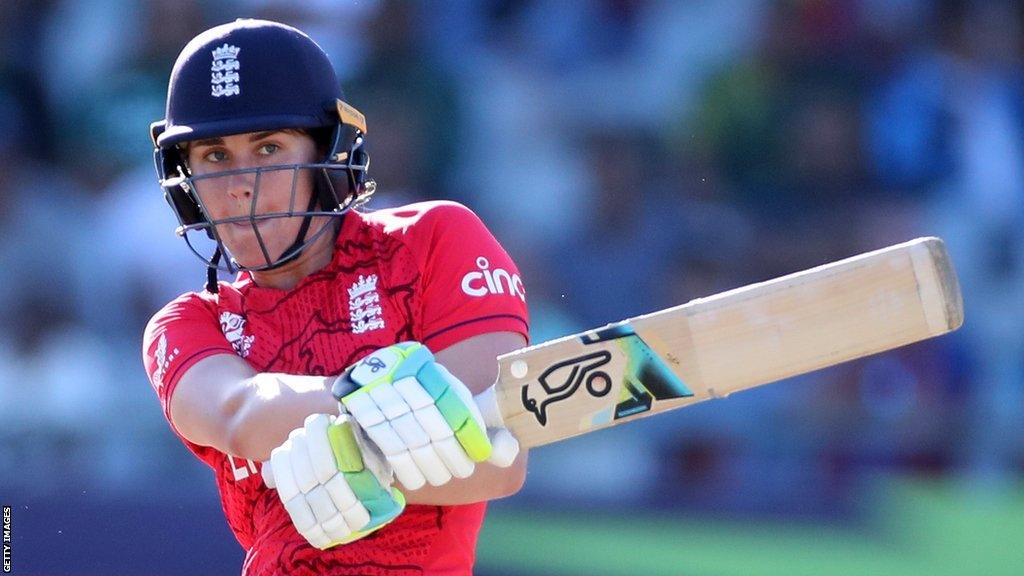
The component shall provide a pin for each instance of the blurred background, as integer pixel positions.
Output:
(630, 155)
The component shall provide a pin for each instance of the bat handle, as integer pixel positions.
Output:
(487, 402)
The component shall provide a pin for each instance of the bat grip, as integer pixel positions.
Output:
(487, 402)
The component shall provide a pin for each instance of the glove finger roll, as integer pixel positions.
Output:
(336, 527)
(284, 479)
(454, 457)
(320, 503)
(363, 409)
(302, 466)
(409, 431)
(431, 464)
(300, 512)
(385, 437)
(316, 537)
(433, 423)
(388, 401)
(413, 394)
(406, 470)
(321, 454)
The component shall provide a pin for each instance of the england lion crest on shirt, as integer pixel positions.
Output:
(233, 327)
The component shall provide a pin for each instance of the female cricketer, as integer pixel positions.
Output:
(329, 386)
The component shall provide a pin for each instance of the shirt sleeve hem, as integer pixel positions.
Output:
(454, 333)
(172, 380)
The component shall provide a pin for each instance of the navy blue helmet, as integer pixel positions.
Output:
(255, 76)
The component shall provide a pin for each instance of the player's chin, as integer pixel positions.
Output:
(245, 250)
(252, 259)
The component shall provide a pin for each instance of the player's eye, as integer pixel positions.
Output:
(214, 156)
(268, 149)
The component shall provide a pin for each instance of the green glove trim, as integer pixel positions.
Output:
(346, 450)
(382, 505)
(378, 519)
(474, 441)
(451, 407)
(365, 486)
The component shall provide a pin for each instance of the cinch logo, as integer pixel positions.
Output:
(497, 281)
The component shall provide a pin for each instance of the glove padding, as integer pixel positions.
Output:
(335, 488)
(420, 416)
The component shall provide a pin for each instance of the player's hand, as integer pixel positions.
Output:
(421, 417)
(333, 485)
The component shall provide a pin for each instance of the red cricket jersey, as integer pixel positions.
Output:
(429, 272)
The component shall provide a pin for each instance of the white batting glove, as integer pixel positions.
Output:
(335, 488)
(420, 416)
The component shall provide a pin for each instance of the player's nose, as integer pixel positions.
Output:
(241, 186)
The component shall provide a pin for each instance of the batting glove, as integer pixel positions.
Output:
(334, 487)
(420, 416)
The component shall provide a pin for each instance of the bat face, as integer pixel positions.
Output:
(732, 341)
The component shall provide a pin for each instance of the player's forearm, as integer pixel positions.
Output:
(270, 406)
(488, 482)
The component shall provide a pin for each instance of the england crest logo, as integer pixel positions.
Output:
(224, 76)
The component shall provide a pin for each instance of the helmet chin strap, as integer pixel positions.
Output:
(211, 272)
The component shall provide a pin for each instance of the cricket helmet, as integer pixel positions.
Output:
(255, 76)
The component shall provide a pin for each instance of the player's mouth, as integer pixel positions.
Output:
(246, 224)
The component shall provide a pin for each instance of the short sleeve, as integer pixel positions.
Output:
(185, 331)
(469, 284)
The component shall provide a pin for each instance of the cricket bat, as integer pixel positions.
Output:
(712, 347)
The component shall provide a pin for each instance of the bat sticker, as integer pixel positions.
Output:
(561, 381)
(646, 376)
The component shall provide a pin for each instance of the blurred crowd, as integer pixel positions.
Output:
(629, 154)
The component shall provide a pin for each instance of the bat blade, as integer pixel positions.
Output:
(712, 347)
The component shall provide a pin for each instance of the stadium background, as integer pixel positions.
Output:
(631, 155)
